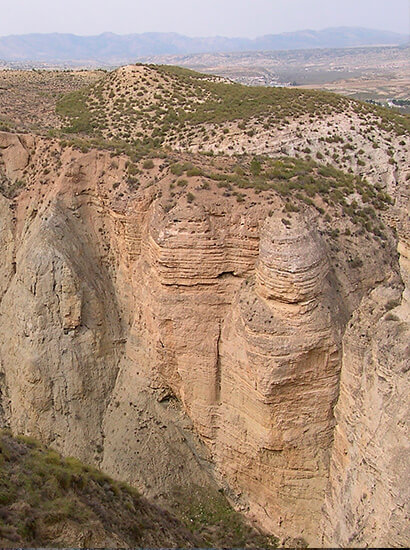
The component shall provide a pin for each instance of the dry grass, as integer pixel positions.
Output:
(40, 490)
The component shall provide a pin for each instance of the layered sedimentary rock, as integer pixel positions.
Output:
(128, 329)
(367, 502)
(280, 361)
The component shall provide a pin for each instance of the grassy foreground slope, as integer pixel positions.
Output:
(48, 500)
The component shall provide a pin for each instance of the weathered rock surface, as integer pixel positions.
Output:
(128, 330)
(367, 502)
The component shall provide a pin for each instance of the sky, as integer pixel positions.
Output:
(247, 18)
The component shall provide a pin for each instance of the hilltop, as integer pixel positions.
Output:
(151, 106)
(142, 109)
(164, 101)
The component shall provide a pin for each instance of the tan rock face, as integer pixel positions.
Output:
(280, 366)
(367, 502)
(368, 497)
(52, 317)
(129, 329)
(292, 262)
(15, 154)
(6, 244)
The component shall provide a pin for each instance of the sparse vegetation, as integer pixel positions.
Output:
(148, 164)
(9, 188)
(189, 102)
(74, 107)
(39, 490)
(209, 514)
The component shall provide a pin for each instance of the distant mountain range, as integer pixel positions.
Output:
(109, 48)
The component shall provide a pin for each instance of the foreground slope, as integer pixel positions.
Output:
(47, 500)
(174, 316)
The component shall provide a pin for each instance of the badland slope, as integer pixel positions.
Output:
(183, 318)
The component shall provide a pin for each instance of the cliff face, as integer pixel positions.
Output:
(280, 362)
(129, 329)
(368, 498)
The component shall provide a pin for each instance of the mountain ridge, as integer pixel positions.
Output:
(113, 48)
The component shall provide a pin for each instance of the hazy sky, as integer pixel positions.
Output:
(199, 17)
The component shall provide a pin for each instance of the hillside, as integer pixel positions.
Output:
(161, 102)
(48, 500)
(112, 49)
(204, 293)
(142, 109)
(28, 98)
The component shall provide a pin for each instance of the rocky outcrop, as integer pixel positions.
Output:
(59, 345)
(367, 502)
(15, 153)
(185, 344)
(69, 258)
(280, 363)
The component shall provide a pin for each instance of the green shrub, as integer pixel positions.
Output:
(148, 164)
(255, 167)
